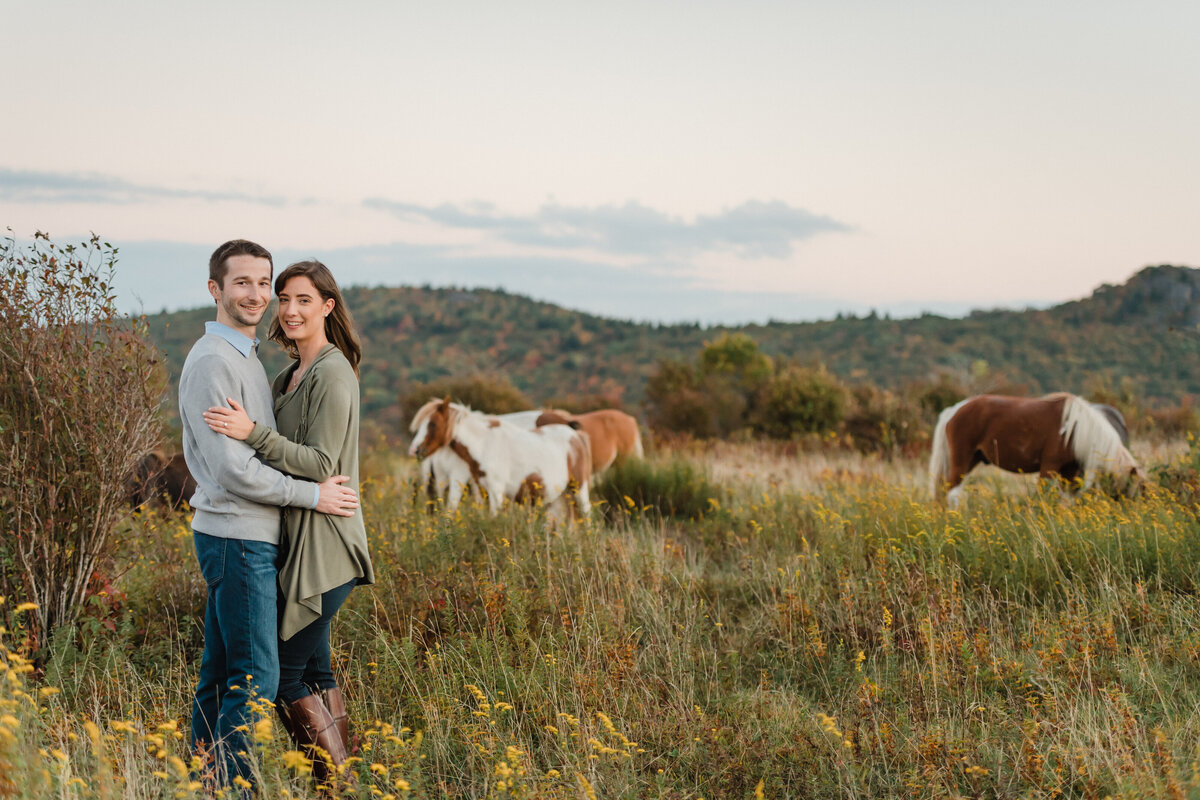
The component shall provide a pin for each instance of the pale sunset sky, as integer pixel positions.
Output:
(702, 161)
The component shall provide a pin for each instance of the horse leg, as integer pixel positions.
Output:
(1066, 488)
(455, 495)
(556, 509)
(583, 501)
(495, 498)
(954, 498)
(960, 465)
(1067, 477)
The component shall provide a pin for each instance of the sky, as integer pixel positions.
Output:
(703, 161)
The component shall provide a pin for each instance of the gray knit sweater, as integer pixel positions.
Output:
(237, 495)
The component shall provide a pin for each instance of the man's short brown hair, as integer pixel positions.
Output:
(217, 266)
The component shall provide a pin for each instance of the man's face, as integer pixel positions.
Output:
(243, 300)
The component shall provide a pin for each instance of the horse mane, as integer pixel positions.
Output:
(457, 410)
(1093, 439)
(939, 460)
(423, 413)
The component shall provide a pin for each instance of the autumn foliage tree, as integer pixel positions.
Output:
(734, 387)
(492, 394)
(80, 385)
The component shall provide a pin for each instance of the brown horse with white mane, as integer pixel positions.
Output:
(613, 434)
(1059, 434)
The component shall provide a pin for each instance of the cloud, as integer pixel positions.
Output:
(32, 186)
(753, 229)
(168, 275)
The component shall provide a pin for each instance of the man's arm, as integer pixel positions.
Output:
(233, 465)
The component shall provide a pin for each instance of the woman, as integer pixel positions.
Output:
(322, 557)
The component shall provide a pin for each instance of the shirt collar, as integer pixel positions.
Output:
(243, 343)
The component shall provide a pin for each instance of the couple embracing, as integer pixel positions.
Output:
(277, 535)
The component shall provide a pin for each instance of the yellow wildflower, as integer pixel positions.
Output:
(296, 760)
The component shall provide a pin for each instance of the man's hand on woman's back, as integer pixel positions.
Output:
(336, 499)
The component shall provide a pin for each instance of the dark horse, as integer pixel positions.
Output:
(1116, 419)
(1059, 434)
(160, 477)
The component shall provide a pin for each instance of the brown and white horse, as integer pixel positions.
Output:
(466, 448)
(1059, 434)
(613, 434)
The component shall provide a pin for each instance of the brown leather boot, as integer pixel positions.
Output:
(336, 703)
(311, 727)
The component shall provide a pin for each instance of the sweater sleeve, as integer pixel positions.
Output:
(233, 464)
(329, 421)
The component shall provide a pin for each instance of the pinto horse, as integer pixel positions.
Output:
(466, 448)
(1059, 434)
(613, 434)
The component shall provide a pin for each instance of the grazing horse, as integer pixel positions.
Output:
(501, 459)
(613, 434)
(1057, 434)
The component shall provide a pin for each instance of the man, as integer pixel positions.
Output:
(237, 512)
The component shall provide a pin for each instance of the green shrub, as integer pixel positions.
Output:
(938, 393)
(736, 355)
(488, 393)
(675, 405)
(676, 488)
(883, 422)
(800, 400)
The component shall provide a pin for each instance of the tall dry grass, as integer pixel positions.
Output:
(819, 630)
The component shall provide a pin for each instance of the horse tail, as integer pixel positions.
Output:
(579, 459)
(637, 451)
(939, 457)
(579, 470)
(1093, 440)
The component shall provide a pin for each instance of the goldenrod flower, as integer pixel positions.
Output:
(296, 760)
(264, 730)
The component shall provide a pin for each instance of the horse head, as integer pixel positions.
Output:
(1122, 481)
(552, 417)
(142, 480)
(432, 427)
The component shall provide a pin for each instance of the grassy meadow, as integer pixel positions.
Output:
(797, 624)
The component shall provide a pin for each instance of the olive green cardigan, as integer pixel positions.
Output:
(317, 438)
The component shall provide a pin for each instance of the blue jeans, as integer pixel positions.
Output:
(304, 665)
(241, 648)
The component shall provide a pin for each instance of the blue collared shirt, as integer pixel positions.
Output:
(241, 342)
(245, 345)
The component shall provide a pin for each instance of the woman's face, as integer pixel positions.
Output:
(301, 310)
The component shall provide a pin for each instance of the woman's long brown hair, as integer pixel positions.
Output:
(339, 325)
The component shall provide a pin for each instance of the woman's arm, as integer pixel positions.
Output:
(329, 418)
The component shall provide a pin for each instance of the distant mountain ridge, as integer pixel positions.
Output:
(1142, 331)
(1163, 295)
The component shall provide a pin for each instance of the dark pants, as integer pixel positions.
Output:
(304, 665)
(241, 648)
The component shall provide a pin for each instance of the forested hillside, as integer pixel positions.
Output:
(1143, 332)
